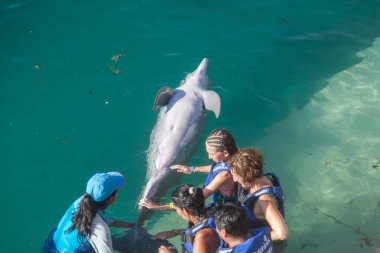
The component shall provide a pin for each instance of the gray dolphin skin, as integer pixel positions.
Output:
(177, 132)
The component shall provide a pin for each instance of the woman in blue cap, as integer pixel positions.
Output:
(84, 228)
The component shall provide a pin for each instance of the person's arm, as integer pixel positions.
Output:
(206, 241)
(220, 179)
(121, 224)
(267, 209)
(151, 205)
(164, 249)
(167, 234)
(187, 169)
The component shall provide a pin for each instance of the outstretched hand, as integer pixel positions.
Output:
(148, 204)
(181, 168)
(164, 249)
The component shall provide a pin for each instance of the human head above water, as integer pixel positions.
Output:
(101, 185)
(190, 197)
(232, 219)
(247, 165)
(101, 191)
(221, 140)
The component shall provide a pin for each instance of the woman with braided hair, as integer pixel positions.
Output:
(219, 185)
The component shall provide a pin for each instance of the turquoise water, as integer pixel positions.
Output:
(298, 79)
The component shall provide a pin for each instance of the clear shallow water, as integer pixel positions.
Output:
(331, 146)
(297, 79)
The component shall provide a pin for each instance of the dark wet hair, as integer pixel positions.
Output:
(86, 212)
(221, 140)
(190, 197)
(233, 219)
(248, 164)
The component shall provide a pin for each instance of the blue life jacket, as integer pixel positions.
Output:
(49, 245)
(62, 240)
(187, 237)
(216, 168)
(248, 201)
(259, 242)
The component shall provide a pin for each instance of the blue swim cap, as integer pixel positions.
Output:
(102, 185)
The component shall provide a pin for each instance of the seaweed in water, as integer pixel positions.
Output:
(376, 165)
(366, 241)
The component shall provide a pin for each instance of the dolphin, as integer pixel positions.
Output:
(177, 132)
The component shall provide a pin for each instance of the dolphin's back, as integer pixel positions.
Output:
(172, 133)
(176, 134)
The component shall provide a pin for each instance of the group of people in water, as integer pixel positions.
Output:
(246, 213)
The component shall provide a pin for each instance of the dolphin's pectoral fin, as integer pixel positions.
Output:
(211, 100)
(163, 97)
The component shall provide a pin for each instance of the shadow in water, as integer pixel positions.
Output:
(125, 242)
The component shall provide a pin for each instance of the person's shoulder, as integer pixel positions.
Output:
(221, 166)
(266, 200)
(205, 234)
(222, 175)
(76, 203)
(266, 197)
(208, 238)
(267, 180)
(98, 223)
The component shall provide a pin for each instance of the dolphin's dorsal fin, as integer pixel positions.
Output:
(211, 100)
(163, 96)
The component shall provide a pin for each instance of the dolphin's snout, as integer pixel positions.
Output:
(202, 68)
(204, 63)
